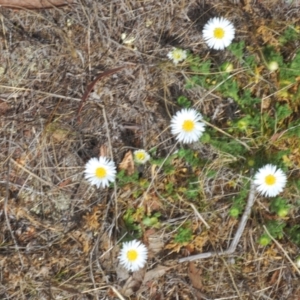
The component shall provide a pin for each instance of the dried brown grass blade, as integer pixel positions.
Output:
(34, 4)
(92, 84)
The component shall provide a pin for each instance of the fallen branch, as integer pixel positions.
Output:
(33, 4)
(231, 249)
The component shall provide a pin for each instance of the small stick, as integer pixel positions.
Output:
(284, 252)
(236, 239)
(91, 86)
(33, 175)
(199, 215)
(105, 287)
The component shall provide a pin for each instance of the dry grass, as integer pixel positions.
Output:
(59, 237)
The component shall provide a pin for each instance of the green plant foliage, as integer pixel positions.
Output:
(229, 87)
(133, 227)
(152, 221)
(283, 111)
(263, 83)
(205, 138)
(248, 103)
(202, 68)
(270, 54)
(184, 235)
(124, 179)
(239, 201)
(193, 189)
(250, 61)
(264, 240)
(275, 229)
(237, 49)
(165, 164)
(290, 71)
(289, 35)
(280, 207)
(189, 156)
(229, 146)
(294, 234)
(184, 102)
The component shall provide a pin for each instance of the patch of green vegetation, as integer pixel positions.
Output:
(251, 134)
(124, 179)
(137, 219)
(190, 157)
(275, 228)
(239, 201)
(184, 102)
(294, 234)
(280, 207)
(291, 34)
(183, 235)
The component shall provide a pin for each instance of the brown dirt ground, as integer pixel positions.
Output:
(58, 235)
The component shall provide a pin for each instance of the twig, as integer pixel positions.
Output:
(227, 134)
(39, 92)
(199, 215)
(91, 86)
(111, 156)
(284, 252)
(33, 175)
(237, 236)
(105, 287)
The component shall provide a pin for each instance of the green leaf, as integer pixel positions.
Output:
(229, 146)
(290, 34)
(275, 228)
(283, 111)
(184, 235)
(184, 102)
(152, 221)
(271, 54)
(237, 49)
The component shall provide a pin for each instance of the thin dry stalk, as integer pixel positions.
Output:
(238, 234)
(284, 252)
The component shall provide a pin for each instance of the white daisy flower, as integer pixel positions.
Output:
(218, 33)
(270, 181)
(187, 125)
(133, 255)
(141, 156)
(177, 55)
(100, 171)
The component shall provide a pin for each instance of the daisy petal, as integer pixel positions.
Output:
(133, 255)
(218, 33)
(270, 181)
(100, 171)
(186, 125)
(141, 156)
(177, 55)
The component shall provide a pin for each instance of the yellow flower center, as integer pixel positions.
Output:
(101, 172)
(132, 255)
(270, 179)
(219, 33)
(177, 55)
(140, 156)
(188, 125)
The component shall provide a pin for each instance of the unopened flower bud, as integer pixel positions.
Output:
(273, 66)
